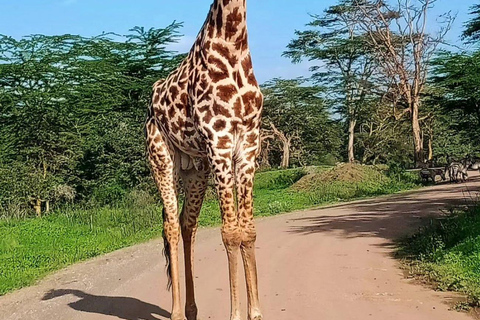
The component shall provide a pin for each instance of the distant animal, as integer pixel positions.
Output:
(452, 170)
(458, 171)
(466, 164)
(475, 165)
(431, 174)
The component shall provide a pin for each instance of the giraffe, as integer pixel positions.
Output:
(205, 118)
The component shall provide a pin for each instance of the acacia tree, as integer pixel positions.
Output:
(456, 89)
(72, 110)
(403, 48)
(472, 31)
(344, 67)
(380, 137)
(297, 116)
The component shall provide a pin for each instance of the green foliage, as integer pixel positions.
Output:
(22, 183)
(343, 63)
(348, 181)
(455, 95)
(382, 139)
(31, 248)
(298, 110)
(281, 179)
(72, 111)
(447, 251)
(472, 31)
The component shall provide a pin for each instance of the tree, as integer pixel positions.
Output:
(403, 49)
(458, 77)
(63, 98)
(472, 31)
(36, 118)
(296, 114)
(455, 91)
(345, 68)
(381, 138)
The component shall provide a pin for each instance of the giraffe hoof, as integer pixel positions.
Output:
(177, 317)
(191, 312)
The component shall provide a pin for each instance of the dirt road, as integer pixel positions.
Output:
(332, 263)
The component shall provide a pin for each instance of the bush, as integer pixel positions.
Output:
(280, 179)
(447, 251)
(108, 195)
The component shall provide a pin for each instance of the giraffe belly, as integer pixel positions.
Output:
(188, 142)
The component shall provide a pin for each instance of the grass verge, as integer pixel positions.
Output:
(32, 248)
(446, 253)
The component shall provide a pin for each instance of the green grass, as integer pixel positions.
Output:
(446, 253)
(32, 248)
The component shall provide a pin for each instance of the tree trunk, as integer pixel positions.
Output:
(286, 153)
(286, 142)
(430, 148)
(351, 140)
(263, 159)
(38, 207)
(417, 136)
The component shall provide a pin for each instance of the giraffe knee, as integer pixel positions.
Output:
(249, 231)
(232, 237)
(249, 237)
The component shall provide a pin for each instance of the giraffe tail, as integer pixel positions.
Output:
(166, 253)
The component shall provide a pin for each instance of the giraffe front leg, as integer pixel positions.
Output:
(195, 183)
(165, 176)
(222, 166)
(244, 175)
(232, 246)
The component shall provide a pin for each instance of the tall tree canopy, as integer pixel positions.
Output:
(472, 30)
(69, 103)
(403, 47)
(342, 62)
(456, 80)
(298, 119)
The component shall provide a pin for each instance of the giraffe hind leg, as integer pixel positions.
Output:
(164, 170)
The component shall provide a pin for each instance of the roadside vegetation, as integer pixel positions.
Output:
(446, 253)
(31, 248)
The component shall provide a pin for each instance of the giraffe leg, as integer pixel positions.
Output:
(244, 175)
(195, 183)
(165, 175)
(222, 166)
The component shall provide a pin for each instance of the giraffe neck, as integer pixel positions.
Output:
(228, 21)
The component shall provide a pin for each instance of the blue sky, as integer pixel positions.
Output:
(271, 22)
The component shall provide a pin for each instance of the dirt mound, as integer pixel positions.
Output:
(349, 173)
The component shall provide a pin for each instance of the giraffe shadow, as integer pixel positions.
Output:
(121, 307)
